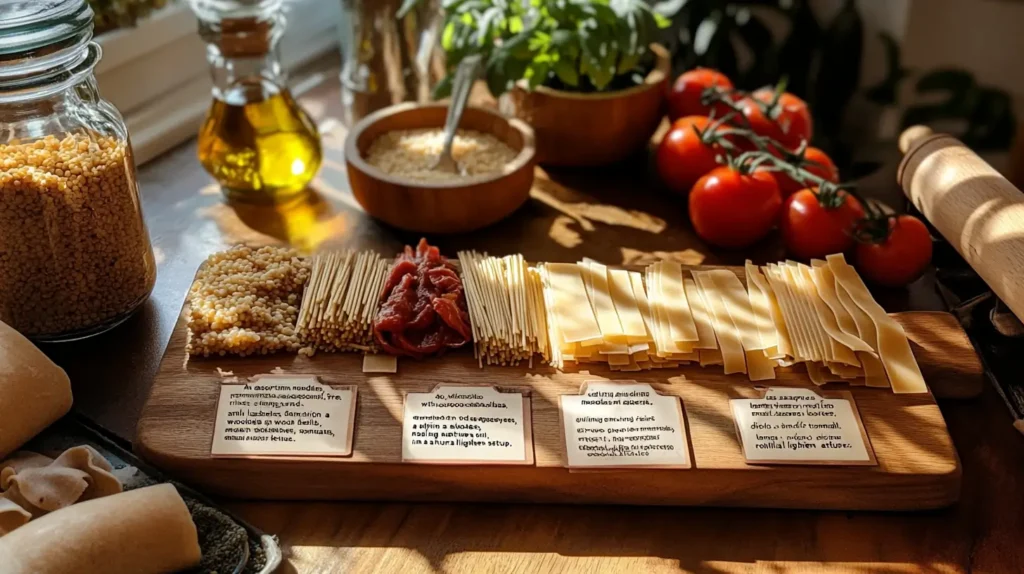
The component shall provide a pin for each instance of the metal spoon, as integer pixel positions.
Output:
(465, 75)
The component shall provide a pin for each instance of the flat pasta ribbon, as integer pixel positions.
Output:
(32, 485)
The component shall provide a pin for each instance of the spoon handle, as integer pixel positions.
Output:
(465, 75)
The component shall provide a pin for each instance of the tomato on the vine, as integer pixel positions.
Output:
(684, 97)
(683, 157)
(816, 162)
(733, 209)
(787, 121)
(898, 258)
(817, 224)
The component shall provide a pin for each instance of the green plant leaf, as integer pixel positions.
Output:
(539, 41)
(515, 70)
(537, 73)
(443, 89)
(596, 51)
(497, 80)
(605, 14)
(515, 24)
(566, 72)
(448, 37)
(565, 43)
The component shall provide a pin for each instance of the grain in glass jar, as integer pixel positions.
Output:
(75, 256)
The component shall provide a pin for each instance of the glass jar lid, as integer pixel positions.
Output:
(28, 25)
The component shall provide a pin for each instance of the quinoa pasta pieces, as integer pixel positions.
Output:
(245, 301)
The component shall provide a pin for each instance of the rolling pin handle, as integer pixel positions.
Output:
(913, 136)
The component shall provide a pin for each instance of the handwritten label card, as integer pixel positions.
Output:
(614, 425)
(456, 424)
(799, 426)
(284, 416)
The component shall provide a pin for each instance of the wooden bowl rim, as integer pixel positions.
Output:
(661, 71)
(521, 160)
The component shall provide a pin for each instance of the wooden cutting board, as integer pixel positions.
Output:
(918, 467)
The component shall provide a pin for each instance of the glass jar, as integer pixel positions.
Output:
(75, 257)
(257, 142)
(388, 60)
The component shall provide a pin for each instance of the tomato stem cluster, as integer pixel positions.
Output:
(769, 154)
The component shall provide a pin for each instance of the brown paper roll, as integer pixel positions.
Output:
(34, 392)
(977, 210)
(144, 531)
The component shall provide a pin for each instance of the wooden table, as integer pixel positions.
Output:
(567, 219)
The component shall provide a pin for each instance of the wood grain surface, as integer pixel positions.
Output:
(917, 464)
(616, 214)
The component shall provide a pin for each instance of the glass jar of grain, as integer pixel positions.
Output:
(75, 257)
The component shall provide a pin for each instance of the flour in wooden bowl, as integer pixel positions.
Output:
(412, 153)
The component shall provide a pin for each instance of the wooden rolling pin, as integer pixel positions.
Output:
(977, 210)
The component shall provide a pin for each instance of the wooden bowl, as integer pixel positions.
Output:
(439, 207)
(576, 129)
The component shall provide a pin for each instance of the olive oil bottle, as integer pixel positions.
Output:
(257, 142)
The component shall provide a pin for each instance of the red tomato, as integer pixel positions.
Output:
(733, 209)
(787, 122)
(682, 157)
(817, 163)
(685, 95)
(811, 229)
(899, 258)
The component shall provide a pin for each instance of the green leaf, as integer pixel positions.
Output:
(627, 63)
(443, 89)
(595, 62)
(662, 21)
(515, 70)
(566, 71)
(537, 73)
(628, 40)
(519, 45)
(497, 80)
(515, 25)
(448, 37)
(539, 41)
(605, 14)
(566, 44)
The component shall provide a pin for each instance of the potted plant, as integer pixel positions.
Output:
(584, 73)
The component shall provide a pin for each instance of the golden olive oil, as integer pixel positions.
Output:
(259, 143)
